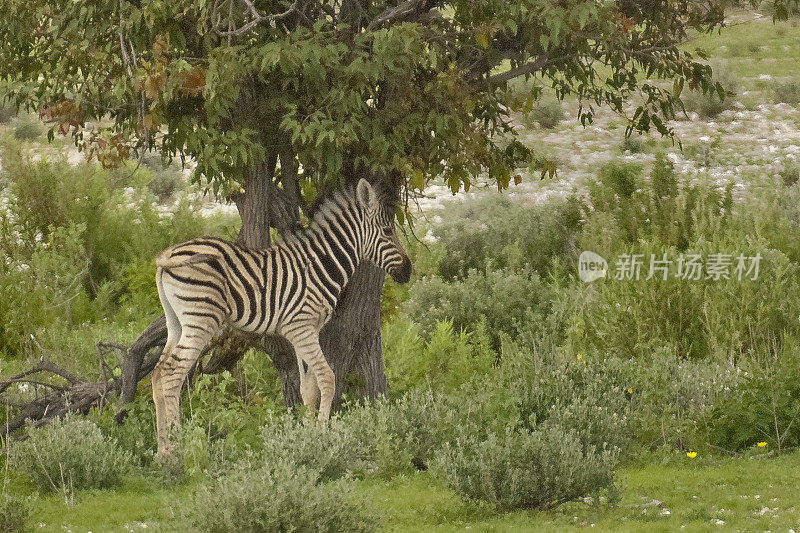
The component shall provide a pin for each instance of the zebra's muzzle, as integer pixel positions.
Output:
(402, 273)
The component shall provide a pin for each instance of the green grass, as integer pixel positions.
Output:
(140, 500)
(696, 492)
(754, 48)
(747, 50)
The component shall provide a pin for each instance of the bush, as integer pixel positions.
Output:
(709, 104)
(527, 469)
(586, 394)
(137, 436)
(414, 424)
(446, 361)
(697, 317)
(13, 512)
(71, 454)
(634, 145)
(67, 236)
(788, 93)
(546, 112)
(499, 299)
(331, 451)
(494, 232)
(617, 206)
(673, 400)
(789, 174)
(27, 128)
(762, 403)
(276, 497)
(165, 178)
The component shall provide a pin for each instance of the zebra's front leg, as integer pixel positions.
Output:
(318, 382)
(309, 390)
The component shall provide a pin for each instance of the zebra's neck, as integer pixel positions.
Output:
(333, 243)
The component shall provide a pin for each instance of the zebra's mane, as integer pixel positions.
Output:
(331, 204)
(338, 201)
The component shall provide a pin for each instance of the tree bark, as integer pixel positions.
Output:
(351, 340)
(150, 342)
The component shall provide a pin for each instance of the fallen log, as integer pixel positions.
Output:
(79, 396)
(137, 362)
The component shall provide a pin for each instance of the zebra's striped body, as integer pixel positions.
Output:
(290, 290)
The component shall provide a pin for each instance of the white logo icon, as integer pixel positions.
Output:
(591, 266)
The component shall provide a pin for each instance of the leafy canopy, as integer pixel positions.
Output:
(420, 87)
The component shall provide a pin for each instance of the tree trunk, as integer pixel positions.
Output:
(351, 340)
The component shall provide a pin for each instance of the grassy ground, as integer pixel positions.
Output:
(695, 495)
(752, 49)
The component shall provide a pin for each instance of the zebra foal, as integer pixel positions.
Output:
(290, 289)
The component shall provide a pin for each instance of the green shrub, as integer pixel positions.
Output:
(331, 450)
(13, 512)
(446, 361)
(789, 173)
(788, 93)
(277, 496)
(762, 406)
(674, 401)
(584, 393)
(634, 145)
(137, 436)
(75, 249)
(624, 207)
(414, 424)
(27, 128)
(166, 178)
(527, 469)
(498, 299)
(494, 232)
(697, 317)
(40, 282)
(71, 454)
(546, 112)
(709, 104)
(618, 201)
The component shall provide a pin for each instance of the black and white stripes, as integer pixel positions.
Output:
(290, 289)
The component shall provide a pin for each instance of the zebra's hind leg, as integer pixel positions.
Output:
(173, 369)
(162, 429)
(174, 330)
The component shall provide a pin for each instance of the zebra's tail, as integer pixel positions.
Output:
(168, 260)
(165, 260)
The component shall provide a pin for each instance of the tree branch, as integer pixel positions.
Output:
(527, 68)
(410, 9)
(257, 18)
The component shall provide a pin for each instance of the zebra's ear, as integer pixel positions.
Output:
(366, 194)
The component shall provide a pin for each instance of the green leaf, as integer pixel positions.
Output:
(677, 87)
(417, 180)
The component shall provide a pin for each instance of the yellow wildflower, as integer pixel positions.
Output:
(691, 455)
(761, 444)
(630, 390)
(580, 356)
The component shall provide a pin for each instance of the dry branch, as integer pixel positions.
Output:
(79, 395)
